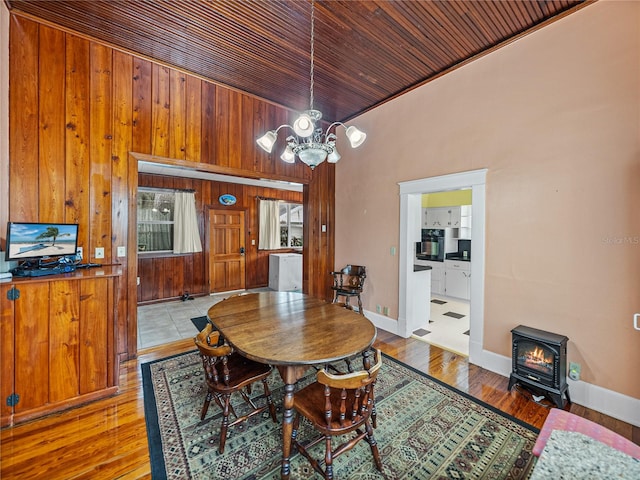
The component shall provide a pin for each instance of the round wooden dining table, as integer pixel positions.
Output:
(290, 331)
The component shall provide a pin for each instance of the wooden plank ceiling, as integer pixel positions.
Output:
(366, 52)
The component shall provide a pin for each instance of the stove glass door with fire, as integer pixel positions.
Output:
(536, 361)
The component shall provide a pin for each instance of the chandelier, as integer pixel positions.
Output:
(309, 143)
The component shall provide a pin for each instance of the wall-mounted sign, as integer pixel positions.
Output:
(227, 199)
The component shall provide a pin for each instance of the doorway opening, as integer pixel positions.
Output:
(410, 224)
(445, 247)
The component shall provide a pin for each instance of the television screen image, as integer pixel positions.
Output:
(38, 240)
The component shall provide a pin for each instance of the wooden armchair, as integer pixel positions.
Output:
(227, 372)
(337, 405)
(349, 282)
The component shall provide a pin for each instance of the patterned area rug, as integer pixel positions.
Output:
(426, 430)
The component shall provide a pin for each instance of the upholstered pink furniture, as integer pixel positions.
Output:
(562, 420)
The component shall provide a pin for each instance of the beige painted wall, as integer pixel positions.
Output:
(555, 118)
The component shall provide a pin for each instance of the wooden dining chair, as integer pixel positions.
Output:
(346, 365)
(337, 405)
(347, 283)
(227, 372)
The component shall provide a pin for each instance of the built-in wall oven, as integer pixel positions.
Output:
(432, 246)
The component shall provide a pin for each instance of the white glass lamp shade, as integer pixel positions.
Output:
(303, 126)
(288, 155)
(312, 156)
(267, 141)
(356, 137)
(334, 156)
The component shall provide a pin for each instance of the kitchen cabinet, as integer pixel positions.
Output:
(441, 217)
(425, 218)
(418, 311)
(57, 342)
(457, 279)
(454, 216)
(437, 275)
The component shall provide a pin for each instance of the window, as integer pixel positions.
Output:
(290, 225)
(155, 220)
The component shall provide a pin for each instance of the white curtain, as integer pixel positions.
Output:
(186, 236)
(269, 235)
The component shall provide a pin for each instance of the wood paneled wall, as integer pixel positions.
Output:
(169, 276)
(319, 238)
(79, 109)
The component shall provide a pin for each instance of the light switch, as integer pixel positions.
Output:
(122, 251)
(99, 252)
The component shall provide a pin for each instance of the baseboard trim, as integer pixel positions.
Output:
(608, 402)
(385, 323)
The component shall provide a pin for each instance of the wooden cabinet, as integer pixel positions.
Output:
(57, 341)
(457, 279)
(441, 217)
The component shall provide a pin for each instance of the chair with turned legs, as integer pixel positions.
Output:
(337, 405)
(348, 283)
(227, 372)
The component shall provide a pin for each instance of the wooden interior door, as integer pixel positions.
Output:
(226, 250)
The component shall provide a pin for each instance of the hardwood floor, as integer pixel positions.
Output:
(107, 439)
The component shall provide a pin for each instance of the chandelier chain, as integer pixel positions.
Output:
(312, 55)
(309, 143)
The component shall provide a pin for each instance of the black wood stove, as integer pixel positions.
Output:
(539, 361)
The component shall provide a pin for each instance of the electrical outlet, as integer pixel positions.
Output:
(79, 254)
(574, 371)
(378, 308)
(385, 310)
(99, 252)
(122, 251)
(393, 251)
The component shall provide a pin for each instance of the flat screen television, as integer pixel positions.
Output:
(28, 241)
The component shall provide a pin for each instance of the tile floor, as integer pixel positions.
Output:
(161, 323)
(449, 325)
